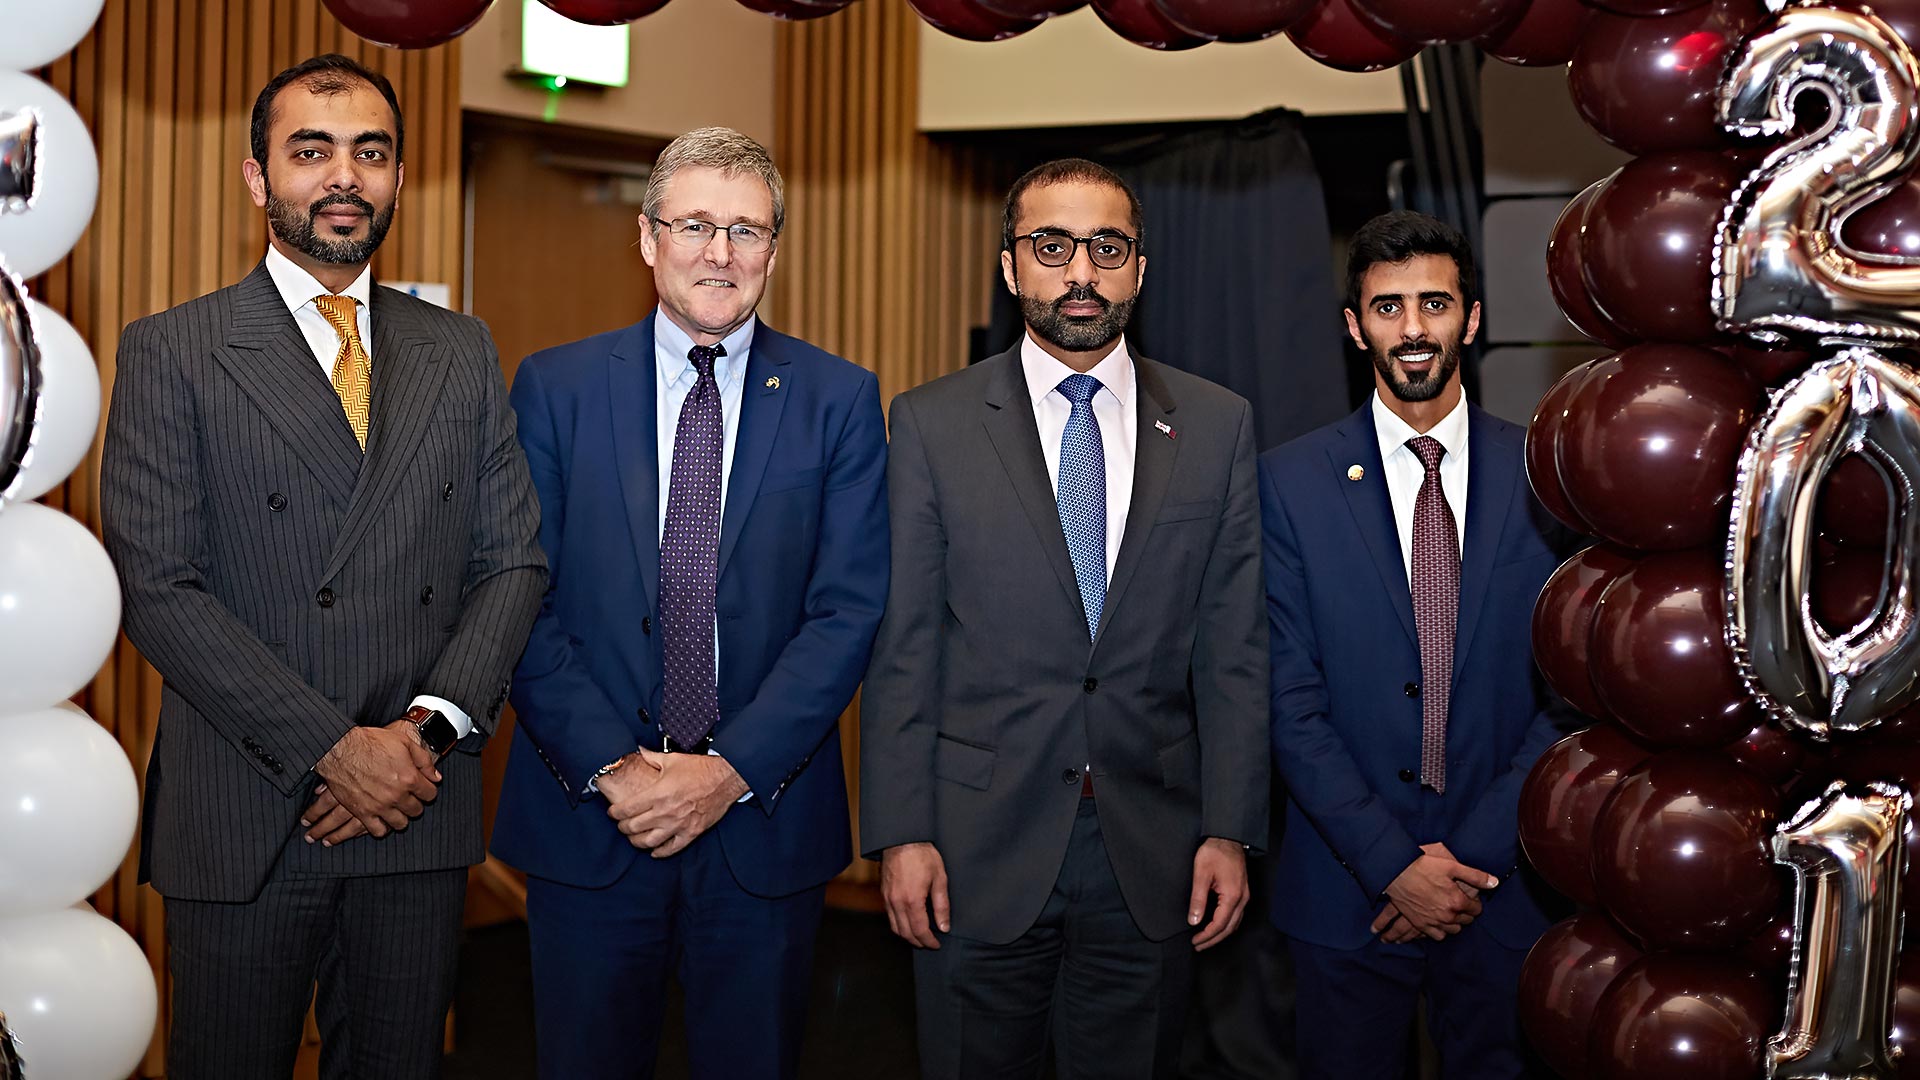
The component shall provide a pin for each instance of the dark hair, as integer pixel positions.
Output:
(329, 74)
(1071, 171)
(1398, 236)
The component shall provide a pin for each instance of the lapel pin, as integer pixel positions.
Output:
(773, 382)
(1355, 472)
(1164, 429)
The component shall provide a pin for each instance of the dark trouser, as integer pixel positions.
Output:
(602, 957)
(1084, 976)
(1356, 1008)
(383, 950)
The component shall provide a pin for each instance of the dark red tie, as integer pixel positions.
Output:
(1436, 608)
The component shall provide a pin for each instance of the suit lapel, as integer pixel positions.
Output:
(631, 395)
(762, 400)
(1372, 508)
(1016, 440)
(1153, 458)
(269, 359)
(1493, 470)
(408, 372)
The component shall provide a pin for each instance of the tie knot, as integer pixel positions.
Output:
(703, 356)
(338, 311)
(1079, 389)
(1428, 450)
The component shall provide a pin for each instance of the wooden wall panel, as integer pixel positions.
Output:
(166, 87)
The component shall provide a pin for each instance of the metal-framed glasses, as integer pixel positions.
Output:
(1056, 247)
(696, 232)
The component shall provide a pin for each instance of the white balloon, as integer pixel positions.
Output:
(78, 994)
(68, 802)
(59, 607)
(32, 241)
(69, 403)
(42, 31)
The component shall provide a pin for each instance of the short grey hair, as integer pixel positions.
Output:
(715, 148)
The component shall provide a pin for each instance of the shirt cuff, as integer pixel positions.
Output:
(457, 716)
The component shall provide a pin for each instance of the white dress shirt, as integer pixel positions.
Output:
(1405, 473)
(298, 289)
(1115, 407)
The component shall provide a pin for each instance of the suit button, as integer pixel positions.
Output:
(1412, 689)
(276, 502)
(1090, 685)
(1406, 776)
(324, 598)
(1071, 776)
(645, 718)
(446, 493)
(646, 625)
(426, 595)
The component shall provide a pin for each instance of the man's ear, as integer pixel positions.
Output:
(1007, 272)
(1353, 330)
(256, 178)
(1473, 323)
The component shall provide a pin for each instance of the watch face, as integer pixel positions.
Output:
(437, 732)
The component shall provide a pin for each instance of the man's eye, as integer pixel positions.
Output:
(694, 228)
(1052, 247)
(1389, 309)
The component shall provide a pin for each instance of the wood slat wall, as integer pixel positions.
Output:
(167, 87)
(892, 236)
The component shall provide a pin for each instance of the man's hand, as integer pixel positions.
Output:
(912, 877)
(634, 775)
(1220, 868)
(377, 780)
(1437, 895)
(690, 794)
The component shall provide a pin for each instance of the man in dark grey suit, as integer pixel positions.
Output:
(327, 542)
(1063, 744)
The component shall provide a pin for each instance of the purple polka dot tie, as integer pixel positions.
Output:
(1436, 606)
(690, 557)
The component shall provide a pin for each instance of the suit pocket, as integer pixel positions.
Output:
(1180, 762)
(1195, 510)
(963, 763)
(786, 481)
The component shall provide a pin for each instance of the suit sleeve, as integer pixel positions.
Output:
(154, 520)
(898, 708)
(1230, 662)
(506, 572)
(570, 720)
(770, 740)
(1319, 771)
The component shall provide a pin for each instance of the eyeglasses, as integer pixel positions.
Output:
(1056, 247)
(696, 232)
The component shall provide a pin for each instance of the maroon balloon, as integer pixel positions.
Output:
(609, 12)
(968, 21)
(1545, 35)
(1644, 8)
(1561, 800)
(1565, 975)
(795, 10)
(1888, 226)
(1680, 852)
(1424, 20)
(1543, 436)
(1234, 20)
(1846, 585)
(1674, 1016)
(1141, 23)
(1769, 366)
(1769, 752)
(1563, 623)
(1906, 1015)
(1770, 951)
(1649, 445)
(1336, 35)
(1902, 15)
(1649, 244)
(1567, 278)
(408, 24)
(1854, 504)
(1648, 85)
(1660, 655)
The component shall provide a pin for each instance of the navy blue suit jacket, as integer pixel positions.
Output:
(1346, 726)
(803, 578)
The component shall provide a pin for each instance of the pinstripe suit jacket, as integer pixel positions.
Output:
(288, 587)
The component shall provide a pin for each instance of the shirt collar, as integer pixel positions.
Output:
(298, 288)
(1394, 432)
(671, 345)
(1044, 371)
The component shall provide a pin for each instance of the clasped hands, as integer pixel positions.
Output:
(1435, 896)
(375, 780)
(663, 802)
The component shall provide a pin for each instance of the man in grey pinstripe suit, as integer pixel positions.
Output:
(327, 542)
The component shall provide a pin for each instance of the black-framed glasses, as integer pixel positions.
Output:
(696, 232)
(1056, 247)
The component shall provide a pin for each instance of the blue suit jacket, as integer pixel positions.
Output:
(1346, 726)
(803, 577)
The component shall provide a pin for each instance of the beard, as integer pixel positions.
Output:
(294, 226)
(1077, 333)
(1417, 388)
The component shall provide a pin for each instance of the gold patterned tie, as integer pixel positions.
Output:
(352, 370)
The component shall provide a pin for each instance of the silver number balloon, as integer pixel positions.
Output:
(1847, 850)
(19, 382)
(1779, 263)
(19, 160)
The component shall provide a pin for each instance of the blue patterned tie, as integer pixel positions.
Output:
(690, 557)
(1082, 495)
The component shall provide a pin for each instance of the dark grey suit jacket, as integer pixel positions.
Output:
(288, 587)
(985, 697)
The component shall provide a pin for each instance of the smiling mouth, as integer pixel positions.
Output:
(715, 283)
(1419, 359)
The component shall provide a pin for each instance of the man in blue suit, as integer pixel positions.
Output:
(1404, 551)
(713, 504)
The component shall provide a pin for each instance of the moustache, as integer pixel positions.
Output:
(1415, 347)
(1081, 294)
(341, 198)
